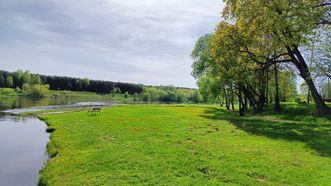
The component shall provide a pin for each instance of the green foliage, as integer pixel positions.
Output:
(201, 55)
(36, 90)
(126, 95)
(67, 83)
(196, 97)
(209, 88)
(83, 83)
(166, 94)
(298, 100)
(17, 89)
(135, 97)
(10, 81)
(252, 38)
(35, 79)
(117, 90)
(7, 92)
(147, 96)
(272, 32)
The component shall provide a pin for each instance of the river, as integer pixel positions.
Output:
(23, 140)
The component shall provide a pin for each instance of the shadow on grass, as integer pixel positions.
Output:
(316, 136)
(296, 112)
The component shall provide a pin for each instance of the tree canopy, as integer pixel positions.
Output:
(259, 40)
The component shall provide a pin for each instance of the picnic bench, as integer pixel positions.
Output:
(94, 110)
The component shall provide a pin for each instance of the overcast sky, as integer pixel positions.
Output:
(138, 41)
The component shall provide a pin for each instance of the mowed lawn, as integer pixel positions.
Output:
(186, 145)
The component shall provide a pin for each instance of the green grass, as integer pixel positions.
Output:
(186, 145)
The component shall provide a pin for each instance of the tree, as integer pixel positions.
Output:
(67, 83)
(287, 25)
(126, 95)
(202, 56)
(35, 79)
(3, 82)
(147, 97)
(196, 97)
(277, 100)
(204, 70)
(10, 81)
(85, 83)
(236, 70)
(210, 89)
(26, 77)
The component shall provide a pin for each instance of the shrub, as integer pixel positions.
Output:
(126, 95)
(38, 90)
(147, 96)
(7, 91)
(297, 100)
(17, 89)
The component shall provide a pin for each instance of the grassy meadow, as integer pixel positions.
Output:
(187, 145)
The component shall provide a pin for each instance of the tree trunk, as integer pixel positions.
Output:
(308, 97)
(232, 98)
(320, 106)
(262, 91)
(277, 108)
(241, 104)
(267, 90)
(245, 103)
(226, 100)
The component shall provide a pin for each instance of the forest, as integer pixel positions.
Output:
(26, 83)
(264, 52)
(19, 78)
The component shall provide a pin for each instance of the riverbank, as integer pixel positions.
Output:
(186, 145)
(77, 95)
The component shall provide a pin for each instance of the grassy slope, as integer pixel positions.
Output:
(186, 145)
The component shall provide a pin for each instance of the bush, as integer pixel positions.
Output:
(38, 90)
(17, 89)
(147, 97)
(7, 91)
(126, 95)
(297, 100)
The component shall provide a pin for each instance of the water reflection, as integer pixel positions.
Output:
(25, 102)
(23, 146)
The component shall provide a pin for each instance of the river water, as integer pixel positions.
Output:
(23, 143)
(23, 140)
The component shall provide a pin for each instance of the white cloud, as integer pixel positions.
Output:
(146, 41)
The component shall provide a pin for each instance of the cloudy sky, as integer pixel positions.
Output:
(138, 41)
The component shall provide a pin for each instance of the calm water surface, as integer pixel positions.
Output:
(22, 150)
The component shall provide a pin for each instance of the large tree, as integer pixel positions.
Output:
(286, 26)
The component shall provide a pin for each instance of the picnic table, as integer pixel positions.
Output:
(94, 110)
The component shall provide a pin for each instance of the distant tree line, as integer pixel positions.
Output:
(168, 94)
(24, 83)
(19, 78)
(79, 84)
